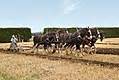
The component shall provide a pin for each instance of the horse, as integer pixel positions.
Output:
(76, 38)
(95, 34)
(84, 36)
(73, 42)
(46, 40)
(50, 38)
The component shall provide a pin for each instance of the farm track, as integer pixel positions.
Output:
(73, 59)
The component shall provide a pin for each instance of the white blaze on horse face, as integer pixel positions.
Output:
(93, 36)
(67, 31)
(90, 33)
(57, 37)
(13, 36)
(98, 33)
(47, 38)
(77, 29)
(79, 36)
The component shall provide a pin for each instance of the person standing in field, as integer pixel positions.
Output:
(13, 42)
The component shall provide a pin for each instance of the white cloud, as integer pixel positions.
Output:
(70, 5)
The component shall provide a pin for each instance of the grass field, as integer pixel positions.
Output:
(22, 67)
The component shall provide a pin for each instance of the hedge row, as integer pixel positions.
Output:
(71, 30)
(6, 33)
(108, 32)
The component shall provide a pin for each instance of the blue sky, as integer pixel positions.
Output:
(38, 14)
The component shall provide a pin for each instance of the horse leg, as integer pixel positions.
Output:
(94, 49)
(35, 47)
(50, 48)
(79, 50)
(84, 50)
(45, 47)
(57, 47)
(77, 46)
(71, 48)
(66, 48)
(54, 48)
(60, 45)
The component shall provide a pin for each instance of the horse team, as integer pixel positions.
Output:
(62, 39)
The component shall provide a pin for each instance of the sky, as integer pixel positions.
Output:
(38, 14)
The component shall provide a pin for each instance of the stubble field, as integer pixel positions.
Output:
(22, 67)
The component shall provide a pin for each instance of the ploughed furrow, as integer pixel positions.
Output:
(110, 61)
(114, 51)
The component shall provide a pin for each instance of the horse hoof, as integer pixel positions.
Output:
(8, 49)
(53, 51)
(32, 51)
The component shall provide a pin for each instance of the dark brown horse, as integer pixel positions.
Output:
(95, 34)
(84, 36)
(77, 37)
(46, 40)
(58, 38)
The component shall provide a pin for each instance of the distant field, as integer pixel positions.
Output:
(108, 43)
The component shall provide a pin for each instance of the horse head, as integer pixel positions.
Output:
(101, 35)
